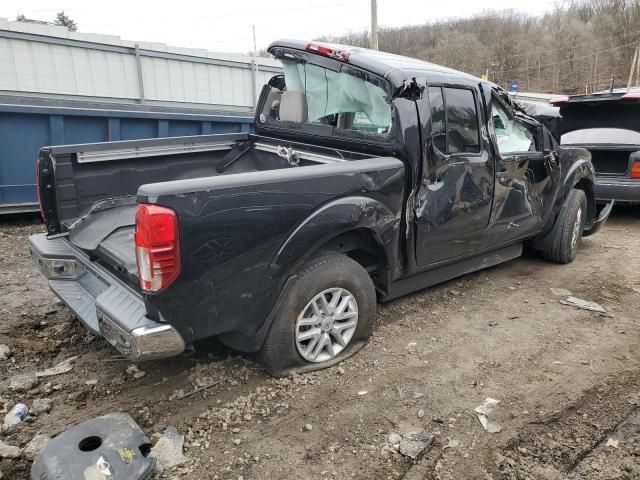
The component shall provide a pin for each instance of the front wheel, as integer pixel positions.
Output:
(571, 222)
(327, 315)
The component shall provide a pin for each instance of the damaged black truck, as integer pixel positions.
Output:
(369, 176)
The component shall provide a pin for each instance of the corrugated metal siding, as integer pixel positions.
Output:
(45, 68)
(43, 59)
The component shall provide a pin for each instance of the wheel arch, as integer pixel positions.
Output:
(587, 186)
(362, 228)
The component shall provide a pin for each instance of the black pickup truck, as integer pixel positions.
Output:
(369, 176)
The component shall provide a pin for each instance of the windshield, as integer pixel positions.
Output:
(346, 102)
(591, 136)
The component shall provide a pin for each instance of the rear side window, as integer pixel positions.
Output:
(462, 121)
(438, 132)
(454, 120)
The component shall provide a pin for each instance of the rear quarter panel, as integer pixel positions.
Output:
(238, 235)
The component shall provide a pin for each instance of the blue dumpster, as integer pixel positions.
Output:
(29, 123)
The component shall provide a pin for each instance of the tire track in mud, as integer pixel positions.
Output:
(554, 447)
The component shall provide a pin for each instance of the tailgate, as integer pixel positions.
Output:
(107, 235)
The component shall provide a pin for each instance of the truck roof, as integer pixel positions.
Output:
(395, 68)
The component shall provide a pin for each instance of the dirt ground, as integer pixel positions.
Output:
(568, 380)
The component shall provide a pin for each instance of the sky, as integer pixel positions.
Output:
(226, 26)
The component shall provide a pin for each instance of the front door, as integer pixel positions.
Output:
(527, 175)
(453, 205)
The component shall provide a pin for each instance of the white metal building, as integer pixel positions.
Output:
(47, 60)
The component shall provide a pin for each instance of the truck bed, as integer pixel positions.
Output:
(96, 185)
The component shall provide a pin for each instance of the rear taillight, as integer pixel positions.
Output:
(635, 169)
(328, 51)
(157, 247)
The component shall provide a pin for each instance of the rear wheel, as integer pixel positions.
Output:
(327, 315)
(570, 227)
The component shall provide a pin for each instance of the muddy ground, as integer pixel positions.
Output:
(568, 380)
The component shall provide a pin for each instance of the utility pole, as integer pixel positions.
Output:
(373, 40)
(595, 74)
(254, 70)
(637, 71)
(633, 68)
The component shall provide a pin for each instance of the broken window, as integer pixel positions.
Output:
(511, 135)
(348, 101)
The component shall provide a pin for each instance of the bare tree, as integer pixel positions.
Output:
(577, 47)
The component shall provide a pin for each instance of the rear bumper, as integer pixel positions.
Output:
(622, 190)
(103, 303)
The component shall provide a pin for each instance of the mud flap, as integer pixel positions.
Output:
(111, 447)
(601, 219)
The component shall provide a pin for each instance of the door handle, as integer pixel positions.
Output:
(503, 178)
(552, 156)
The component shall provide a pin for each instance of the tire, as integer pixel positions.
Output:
(336, 278)
(568, 235)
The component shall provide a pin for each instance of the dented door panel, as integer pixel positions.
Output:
(453, 205)
(525, 190)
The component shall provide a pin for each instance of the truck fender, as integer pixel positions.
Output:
(580, 172)
(324, 224)
(333, 219)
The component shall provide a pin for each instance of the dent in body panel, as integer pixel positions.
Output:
(453, 204)
(453, 210)
(337, 217)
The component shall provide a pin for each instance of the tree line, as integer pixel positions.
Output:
(581, 46)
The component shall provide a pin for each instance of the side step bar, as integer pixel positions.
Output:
(448, 272)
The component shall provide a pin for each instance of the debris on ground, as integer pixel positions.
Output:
(35, 446)
(483, 411)
(583, 304)
(560, 292)
(415, 444)
(451, 443)
(40, 406)
(400, 390)
(168, 449)
(5, 351)
(63, 367)
(8, 451)
(17, 414)
(23, 382)
(308, 427)
(91, 449)
(612, 443)
(420, 413)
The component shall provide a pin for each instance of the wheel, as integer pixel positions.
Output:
(566, 241)
(327, 315)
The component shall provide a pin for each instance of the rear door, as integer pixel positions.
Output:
(527, 174)
(454, 201)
